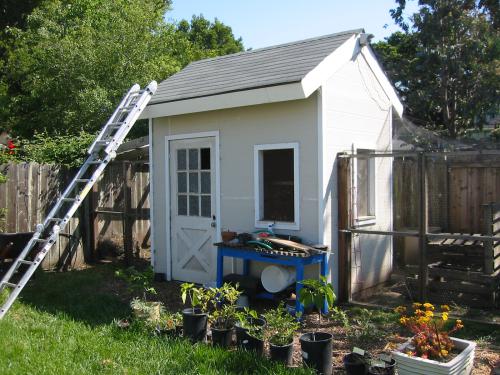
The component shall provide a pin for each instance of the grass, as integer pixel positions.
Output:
(63, 324)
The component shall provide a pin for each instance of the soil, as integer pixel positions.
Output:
(486, 359)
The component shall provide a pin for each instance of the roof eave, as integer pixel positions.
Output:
(263, 95)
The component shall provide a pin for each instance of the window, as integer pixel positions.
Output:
(365, 188)
(194, 182)
(277, 185)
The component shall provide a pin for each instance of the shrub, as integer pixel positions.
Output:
(431, 338)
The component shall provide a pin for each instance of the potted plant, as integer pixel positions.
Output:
(280, 328)
(170, 324)
(360, 362)
(250, 330)
(223, 316)
(430, 348)
(317, 346)
(195, 318)
(147, 312)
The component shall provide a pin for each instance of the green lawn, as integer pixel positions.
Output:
(63, 325)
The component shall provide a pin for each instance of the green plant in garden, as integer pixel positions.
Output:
(280, 326)
(138, 282)
(199, 297)
(340, 316)
(224, 300)
(147, 312)
(246, 319)
(170, 320)
(317, 292)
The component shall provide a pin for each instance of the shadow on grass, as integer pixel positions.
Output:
(82, 295)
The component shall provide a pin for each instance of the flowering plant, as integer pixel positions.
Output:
(431, 338)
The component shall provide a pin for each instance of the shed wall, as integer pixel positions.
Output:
(356, 113)
(239, 130)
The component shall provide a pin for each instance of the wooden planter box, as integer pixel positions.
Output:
(460, 365)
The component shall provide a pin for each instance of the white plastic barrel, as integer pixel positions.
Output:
(277, 278)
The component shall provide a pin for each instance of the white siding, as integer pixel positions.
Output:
(239, 130)
(356, 113)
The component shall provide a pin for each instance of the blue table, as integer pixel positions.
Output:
(249, 254)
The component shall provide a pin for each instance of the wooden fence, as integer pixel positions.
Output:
(458, 191)
(115, 213)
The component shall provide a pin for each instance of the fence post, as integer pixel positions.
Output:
(423, 226)
(344, 222)
(127, 219)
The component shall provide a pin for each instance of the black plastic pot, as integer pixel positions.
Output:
(317, 351)
(389, 369)
(354, 364)
(282, 354)
(247, 342)
(222, 337)
(194, 324)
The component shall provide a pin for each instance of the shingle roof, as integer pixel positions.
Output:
(269, 66)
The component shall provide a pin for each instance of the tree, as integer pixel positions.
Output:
(208, 39)
(445, 63)
(68, 68)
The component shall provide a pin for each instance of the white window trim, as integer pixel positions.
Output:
(258, 193)
(372, 199)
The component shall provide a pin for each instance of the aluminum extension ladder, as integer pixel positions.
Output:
(101, 152)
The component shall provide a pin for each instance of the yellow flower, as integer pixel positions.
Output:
(429, 306)
(444, 316)
(416, 305)
(459, 324)
(445, 308)
(400, 309)
(403, 320)
(429, 314)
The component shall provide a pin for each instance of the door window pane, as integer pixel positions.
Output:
(206, 206)
(182, 205)
(205, 158)
(181, 182)
(193, 182)
(193, 158)
(181, 159)
(205, 182)
(194, 205)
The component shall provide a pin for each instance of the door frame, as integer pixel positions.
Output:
(187, 136)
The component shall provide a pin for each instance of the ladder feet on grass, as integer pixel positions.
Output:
(101, 152)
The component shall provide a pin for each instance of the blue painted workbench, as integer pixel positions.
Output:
(248, 254)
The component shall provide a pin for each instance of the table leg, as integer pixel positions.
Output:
(324, 272)
(299, 269)
(246, 267)
(220, 268)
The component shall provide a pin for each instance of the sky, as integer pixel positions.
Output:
(264, 23)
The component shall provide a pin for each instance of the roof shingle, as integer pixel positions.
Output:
(269, 66)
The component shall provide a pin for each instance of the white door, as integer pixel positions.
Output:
(192, 197)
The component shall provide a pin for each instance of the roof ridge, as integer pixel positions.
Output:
(297, 42)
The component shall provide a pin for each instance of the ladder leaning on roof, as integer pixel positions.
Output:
(101, 152)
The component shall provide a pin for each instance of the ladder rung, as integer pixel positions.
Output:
(119, 123)
(11, 285)
(23, 261)
(102, 142)
(69, 199)
(56, 219)
(41, 240)
(84, 180)
(96, 162)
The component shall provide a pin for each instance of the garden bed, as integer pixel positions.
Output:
(74, 311)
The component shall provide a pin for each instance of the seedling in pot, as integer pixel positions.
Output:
(224, 306)
(280, 329)
(318, 293)
(199, 297)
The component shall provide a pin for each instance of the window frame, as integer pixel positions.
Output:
(371, 218)
(259, 186)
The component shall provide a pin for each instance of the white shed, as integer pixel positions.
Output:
(241, 141)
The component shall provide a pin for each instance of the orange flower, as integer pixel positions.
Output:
(445, 308)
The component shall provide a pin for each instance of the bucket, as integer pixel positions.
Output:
(277, 278)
